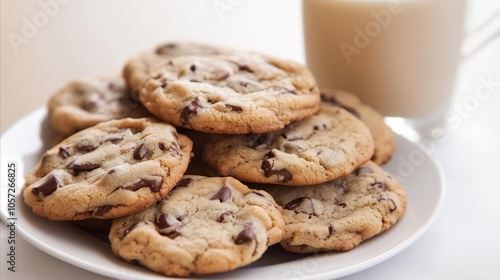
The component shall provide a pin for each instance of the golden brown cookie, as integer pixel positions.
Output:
(85, 102)
(138, 68)
(383, 136)
(109, 170)
(204, 225)
(340, 214)
(237, 94)
(315, 150)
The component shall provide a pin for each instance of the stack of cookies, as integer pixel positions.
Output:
(201, 157)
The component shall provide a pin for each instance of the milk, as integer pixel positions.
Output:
(398, 56)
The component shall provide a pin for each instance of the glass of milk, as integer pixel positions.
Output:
(400, 56)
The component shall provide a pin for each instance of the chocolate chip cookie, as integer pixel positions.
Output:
(237, 94)
(383, 136)
(204, 225)
(340, 214)
(88, 101)
(109, 170)
(138, 68)
(315, 150)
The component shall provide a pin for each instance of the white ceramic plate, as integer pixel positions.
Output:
(27, 140)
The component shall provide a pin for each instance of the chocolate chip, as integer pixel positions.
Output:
(380, 185)
(331, 230)
(284, 175)
(84, 166)
(258, 193)
(47, 187)
(118, 137)
(363, 170)
(303, 205)
(234, 108)
(161, 221)
(168, 225)
(161, 146)
(246, 235)
(332, 100)
(267, 166)
(226, 216)
(63, 152)
(141, 152)
(114, 139)
(153, 184)
(101, 210)
(245, 68)
(295, 203)
(269, 154)
(193, 68)
(260, 140)
(129, 229)
(394, 205)
(222, 195)
(190, 110)
(85, 148)
(342, 204)
(164, 84)
(183, 183)
(320, 127)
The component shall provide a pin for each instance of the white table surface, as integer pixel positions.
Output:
(82, 39)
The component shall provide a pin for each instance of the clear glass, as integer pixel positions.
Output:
(400, 57)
